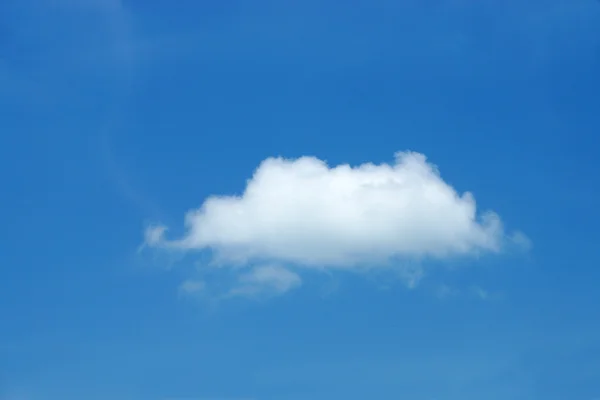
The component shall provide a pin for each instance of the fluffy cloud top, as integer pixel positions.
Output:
(303, 213)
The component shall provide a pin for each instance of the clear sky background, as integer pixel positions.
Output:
(117, 118)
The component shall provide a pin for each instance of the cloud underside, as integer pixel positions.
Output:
(297, 214)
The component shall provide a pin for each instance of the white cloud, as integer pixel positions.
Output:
(445, 291)
(154, 235)
(519, 239)
(481, 293)
(267, 279)
(304, 214)
(191, 286)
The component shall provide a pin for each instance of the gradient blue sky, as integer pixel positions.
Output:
(117, 115)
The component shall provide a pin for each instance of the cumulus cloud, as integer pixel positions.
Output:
(302, 213)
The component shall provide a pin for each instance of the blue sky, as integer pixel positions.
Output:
(119, 118)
